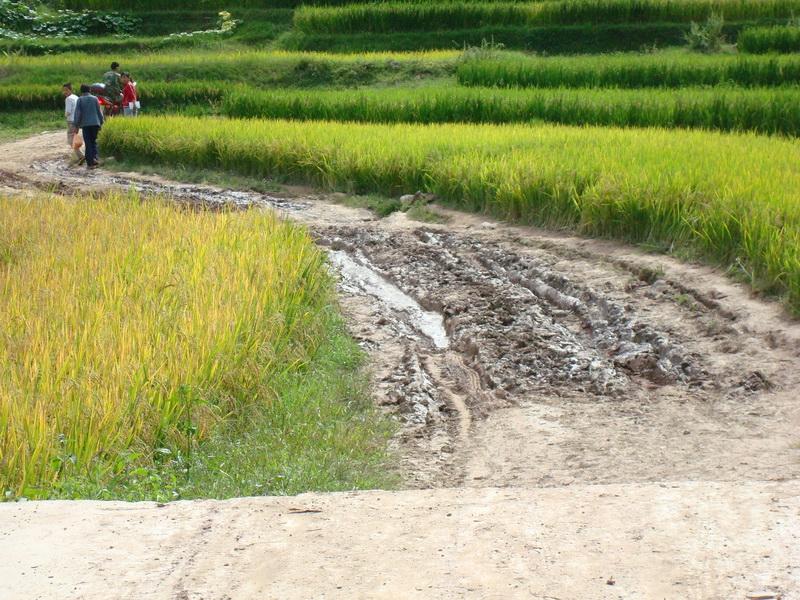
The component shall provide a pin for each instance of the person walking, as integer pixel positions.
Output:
(89, 117)
(70, 101)
(130, 101)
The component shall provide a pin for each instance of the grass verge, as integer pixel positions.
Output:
(16, 125)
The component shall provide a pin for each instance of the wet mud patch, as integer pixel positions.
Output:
(523, 327)
(77, 179)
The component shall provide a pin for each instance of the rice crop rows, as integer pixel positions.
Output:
(730, 198)
(411, 16)
(763, 40)
(665, 69)
(766, 111)
(129, 329)
(152, 94)
(562, 39)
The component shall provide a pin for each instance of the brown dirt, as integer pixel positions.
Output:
(599, 414)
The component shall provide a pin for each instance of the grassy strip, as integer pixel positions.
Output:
(413, 16)
(133, 332)
(766, 111)
(762, 40)
(731, 198)
(253, 67)
(571, 39)
(152, 95)
(664, 69)
(14, 125)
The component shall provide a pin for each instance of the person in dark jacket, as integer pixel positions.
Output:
(89, 117)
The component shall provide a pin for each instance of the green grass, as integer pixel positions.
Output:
(663, 69)
(766, 111)
(202, 176)
(763, 40)
(16, 125)
(413, 16)
(321, 433)
(143, 346)
(258, 68)
(382, 206)
(730, 198)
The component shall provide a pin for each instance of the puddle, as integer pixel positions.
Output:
(364, 279)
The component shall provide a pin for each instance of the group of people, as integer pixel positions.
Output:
(85, 114)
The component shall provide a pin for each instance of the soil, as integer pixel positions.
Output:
(580, 419)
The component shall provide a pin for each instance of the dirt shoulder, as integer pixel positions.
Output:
(683, 540)
(596, 422)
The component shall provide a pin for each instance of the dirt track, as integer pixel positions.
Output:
(630, 384)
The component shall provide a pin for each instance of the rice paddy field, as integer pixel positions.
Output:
(132, 333)
(135, 358)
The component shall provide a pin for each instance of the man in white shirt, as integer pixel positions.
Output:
(70, 101)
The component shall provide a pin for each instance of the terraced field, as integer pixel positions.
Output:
(539, 270)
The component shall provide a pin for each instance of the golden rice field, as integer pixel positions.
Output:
(131, 328)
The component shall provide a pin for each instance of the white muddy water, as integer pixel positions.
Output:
(360, 275)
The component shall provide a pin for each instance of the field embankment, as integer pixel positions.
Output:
(729, 198)
(148, 349)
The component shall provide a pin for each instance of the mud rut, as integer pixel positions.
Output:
(516, 357)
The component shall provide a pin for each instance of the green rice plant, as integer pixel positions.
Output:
(664, 69)
(431, 15)
(154, 95)
(131, 331)
(766, 111)
(762, 40)
(558, 39)
(731, 198)
(258, 68)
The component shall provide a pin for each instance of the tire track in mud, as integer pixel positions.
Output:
(512, 357)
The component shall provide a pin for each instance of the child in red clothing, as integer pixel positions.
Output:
(130, 101)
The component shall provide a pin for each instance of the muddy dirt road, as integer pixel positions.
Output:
(581, 420)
